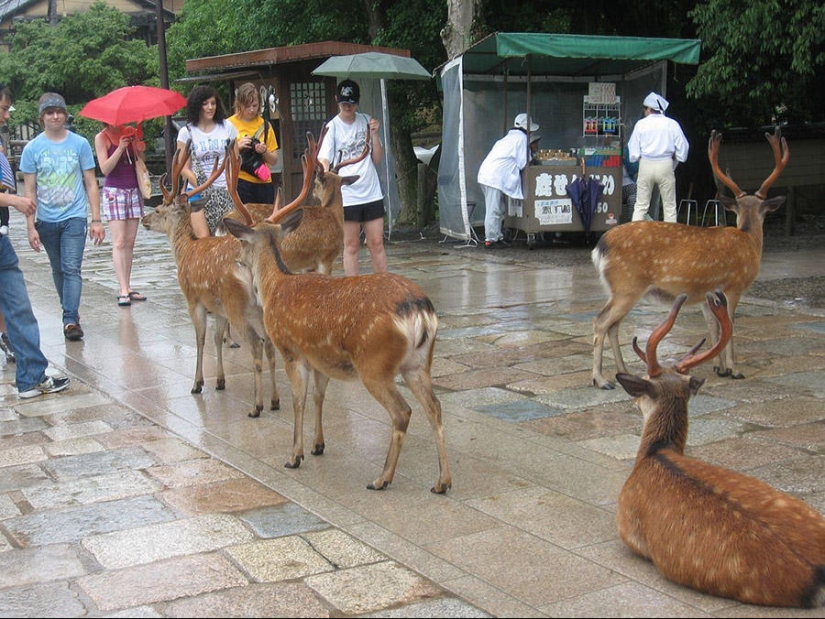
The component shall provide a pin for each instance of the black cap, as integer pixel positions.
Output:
(348, 92)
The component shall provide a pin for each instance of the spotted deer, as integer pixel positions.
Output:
(212, 282)
(662, 260)
(318, 241)
(709, 528)
(368, 327)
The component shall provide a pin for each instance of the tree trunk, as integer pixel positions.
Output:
(457, 33)
(406, 173)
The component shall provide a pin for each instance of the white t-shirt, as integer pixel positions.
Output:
(206, 147)
(348, 140)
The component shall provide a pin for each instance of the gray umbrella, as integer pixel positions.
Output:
(375, 65)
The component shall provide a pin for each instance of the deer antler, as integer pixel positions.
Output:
(713, 155)
(217, 170)
(359, 157)
(718, 304)
(232, 168)
(168, 195)
(780, 157)
(308, 163)
(653, 367)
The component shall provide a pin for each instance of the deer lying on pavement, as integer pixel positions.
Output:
(709, 528)
(662, 260)
(370, 327)
(212, 282)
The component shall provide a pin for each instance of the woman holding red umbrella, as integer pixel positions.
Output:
(121, 203)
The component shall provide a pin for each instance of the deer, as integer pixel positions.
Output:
(318, 241)
(660, 260)
(369, 328)
(705, 527)
(212, 282)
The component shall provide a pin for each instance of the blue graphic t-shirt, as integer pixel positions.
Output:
(61, 193)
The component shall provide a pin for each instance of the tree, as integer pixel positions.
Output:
(765, 59)
(84, 56)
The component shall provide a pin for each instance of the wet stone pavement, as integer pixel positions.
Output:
(126, 495)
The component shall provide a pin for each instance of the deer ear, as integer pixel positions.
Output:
(635, 385)
(695, 384)
(237, 229)
(292, 221)
(769, 206)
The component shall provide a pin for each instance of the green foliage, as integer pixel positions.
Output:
(84, 56)
(763, 60)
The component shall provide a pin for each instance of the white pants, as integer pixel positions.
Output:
(494, 201)
(654, 172)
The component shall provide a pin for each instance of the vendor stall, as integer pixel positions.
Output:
(584, 91)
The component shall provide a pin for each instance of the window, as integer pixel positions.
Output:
(309, 112)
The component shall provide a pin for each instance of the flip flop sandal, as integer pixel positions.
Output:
(123, 300)
(136, 296)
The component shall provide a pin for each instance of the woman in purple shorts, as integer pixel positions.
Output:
(117, 148)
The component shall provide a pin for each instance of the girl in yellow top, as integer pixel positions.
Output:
(255, 184)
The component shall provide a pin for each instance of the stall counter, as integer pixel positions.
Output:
(548, 208)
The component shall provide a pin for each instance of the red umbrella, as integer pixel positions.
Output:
(133, 104)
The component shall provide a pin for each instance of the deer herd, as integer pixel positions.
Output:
(267, 275)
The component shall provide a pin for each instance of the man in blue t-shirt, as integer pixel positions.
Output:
(59, 174)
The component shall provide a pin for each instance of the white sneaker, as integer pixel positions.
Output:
(50, 385)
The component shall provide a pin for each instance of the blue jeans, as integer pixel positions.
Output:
(24, 333)
(64, 242)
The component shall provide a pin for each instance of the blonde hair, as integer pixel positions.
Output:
(247, 94)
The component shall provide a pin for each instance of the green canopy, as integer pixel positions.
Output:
(520, 53)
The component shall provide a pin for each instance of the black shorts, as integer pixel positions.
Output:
(364, 212)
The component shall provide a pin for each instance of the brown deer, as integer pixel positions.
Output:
(661, 260)
(370, 327)
(705, 527)
(212, 282)
(318, 241)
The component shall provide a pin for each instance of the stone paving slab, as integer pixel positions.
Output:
(129, 496)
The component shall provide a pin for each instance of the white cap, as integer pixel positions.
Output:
(656, 102)
(521, 122)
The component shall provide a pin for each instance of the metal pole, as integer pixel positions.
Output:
(169, 138)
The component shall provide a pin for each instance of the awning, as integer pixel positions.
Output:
(572, 55)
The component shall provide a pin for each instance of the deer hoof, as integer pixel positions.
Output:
(221, 384)
(441, 489)
(722, 372)
(318, 450)
(275, 405)
(197, 388)
(256, 412)
(737, 376)
(294, 465)
(372, 486)
(605, 385)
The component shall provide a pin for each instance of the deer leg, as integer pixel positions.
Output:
(221, 325)
(389, 397)
(297, 370)
(321, 381)
(420, 383)
(228, 339)
(256, 345)
(730, 357)
(275, 402)
(198, 315)
(606, 324)
(727, 366)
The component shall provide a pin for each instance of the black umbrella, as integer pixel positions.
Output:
(577, 190)
(594, 192)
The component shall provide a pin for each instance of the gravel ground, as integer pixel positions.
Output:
(809, 233)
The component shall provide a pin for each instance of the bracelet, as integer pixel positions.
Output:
(96, 221)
